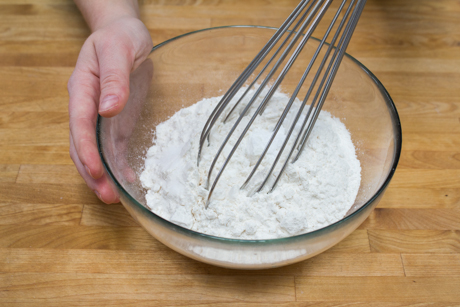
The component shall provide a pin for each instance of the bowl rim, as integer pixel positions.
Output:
(397, 153)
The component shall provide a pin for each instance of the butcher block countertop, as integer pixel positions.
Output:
(60, 246)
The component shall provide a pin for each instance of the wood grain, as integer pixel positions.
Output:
(200, 303)
(45, 173)
(423, 178)
(40, 214)
(35, 154)
(42, 136)
(430, 160)
(79, 237)
(433, 265)
(20, 120)
(357, 242)
(420, 198)
(442, 219)
(106, 215)
(46, 193)
(60, 246)
(81, 286)
(9, 172)
(41, 81)
(153, 262)
(387, 289)
(33, 104)
(115, 238)
(427, 141)
(414, 241)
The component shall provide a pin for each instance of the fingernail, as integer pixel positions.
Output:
(88, 171)
(109, 102)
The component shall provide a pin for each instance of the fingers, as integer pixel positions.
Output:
(115, 63)
(84, 92)
(118, 55)
(102, 186)
(100, 84)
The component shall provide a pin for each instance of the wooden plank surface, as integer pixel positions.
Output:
(60, 246)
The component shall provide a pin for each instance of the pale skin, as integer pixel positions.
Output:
(100, 82)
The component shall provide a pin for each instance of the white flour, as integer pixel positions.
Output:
(312, 193)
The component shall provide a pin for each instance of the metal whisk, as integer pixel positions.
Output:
(300, 25)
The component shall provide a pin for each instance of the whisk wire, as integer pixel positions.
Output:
(228, 96)
(340, 52)
(315, 11)
(291, 101)
(291, 32)
(269, 94)
(253, 99)
(307, 96)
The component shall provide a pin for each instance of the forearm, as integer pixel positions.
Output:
(99, 13)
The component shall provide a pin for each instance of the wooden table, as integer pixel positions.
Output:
(60, 246)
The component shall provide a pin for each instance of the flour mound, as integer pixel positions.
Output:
(315, 191)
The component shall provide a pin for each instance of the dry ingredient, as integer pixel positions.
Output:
(314, 192)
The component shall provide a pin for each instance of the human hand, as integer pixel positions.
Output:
(100, 84)
(118, 141)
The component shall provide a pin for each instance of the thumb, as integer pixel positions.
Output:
(115, 64)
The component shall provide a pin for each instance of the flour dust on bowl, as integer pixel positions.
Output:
(202, 65)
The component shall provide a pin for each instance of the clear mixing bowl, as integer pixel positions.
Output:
(203, 64)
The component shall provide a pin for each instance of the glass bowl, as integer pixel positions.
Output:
(203, 64)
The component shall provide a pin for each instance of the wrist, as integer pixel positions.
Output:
(100, 13)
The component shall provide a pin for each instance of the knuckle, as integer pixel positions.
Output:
(112, 78)
(114, 81)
